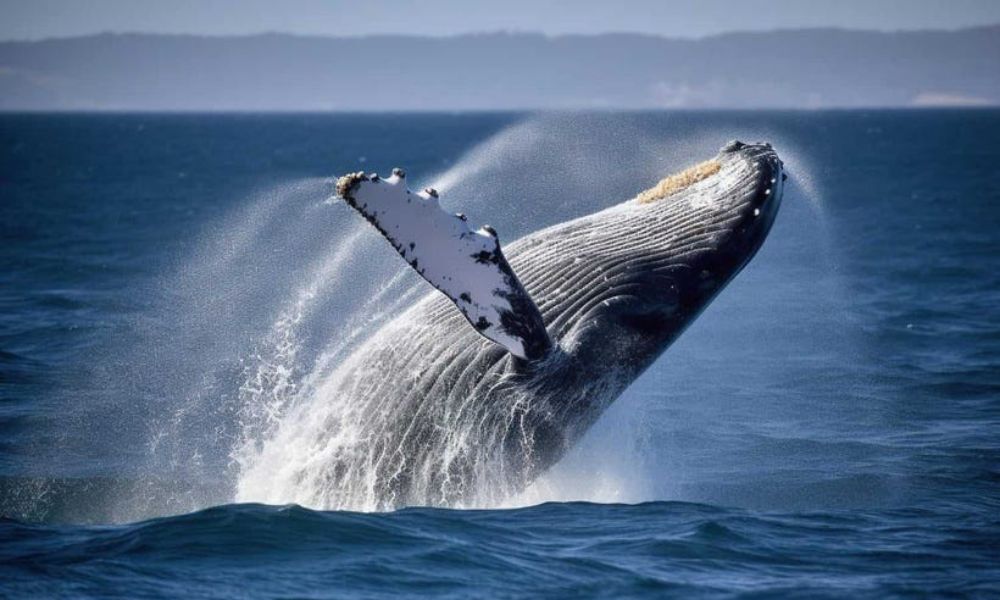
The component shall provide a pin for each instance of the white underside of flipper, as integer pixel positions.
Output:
(467, 266)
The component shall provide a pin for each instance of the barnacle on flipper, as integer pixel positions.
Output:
(348, 182)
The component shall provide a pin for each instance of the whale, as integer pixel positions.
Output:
(513, 353)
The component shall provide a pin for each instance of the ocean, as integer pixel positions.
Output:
(176, 288)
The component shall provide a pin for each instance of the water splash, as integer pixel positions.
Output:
(234, 335)
(270, 374)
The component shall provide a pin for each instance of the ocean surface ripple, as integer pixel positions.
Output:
(557, 549)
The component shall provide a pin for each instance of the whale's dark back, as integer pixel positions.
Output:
(447, 417)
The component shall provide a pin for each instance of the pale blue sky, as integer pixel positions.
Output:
(32, 19)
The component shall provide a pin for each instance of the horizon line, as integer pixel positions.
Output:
(5, 112)
(497, 32)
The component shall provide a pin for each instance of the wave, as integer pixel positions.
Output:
(559, 549)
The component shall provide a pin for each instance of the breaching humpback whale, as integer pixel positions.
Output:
(485, 383)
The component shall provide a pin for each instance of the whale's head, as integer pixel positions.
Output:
(634, 276)
(710, 220)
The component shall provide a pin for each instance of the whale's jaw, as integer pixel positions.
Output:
(738, 192)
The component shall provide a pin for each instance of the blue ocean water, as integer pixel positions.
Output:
(174, 286)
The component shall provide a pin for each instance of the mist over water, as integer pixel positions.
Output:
(269, 301)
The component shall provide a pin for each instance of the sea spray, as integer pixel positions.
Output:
(238, 325)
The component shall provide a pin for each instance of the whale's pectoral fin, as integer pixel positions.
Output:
(467, 266)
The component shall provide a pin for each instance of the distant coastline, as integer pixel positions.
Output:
(785, 69)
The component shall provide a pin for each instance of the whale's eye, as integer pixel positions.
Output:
(679, 181)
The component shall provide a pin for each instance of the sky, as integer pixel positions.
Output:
(36, 19)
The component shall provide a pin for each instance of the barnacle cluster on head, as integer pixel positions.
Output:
(679, 181)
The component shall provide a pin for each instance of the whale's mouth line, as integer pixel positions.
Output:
(678, 182)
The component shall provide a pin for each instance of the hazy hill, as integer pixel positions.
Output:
(796, 68)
